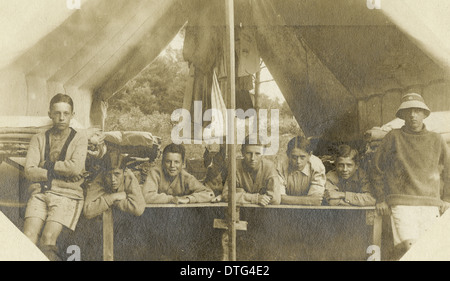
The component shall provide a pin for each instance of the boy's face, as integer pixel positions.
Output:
(298, 158)
(414, 118)
(345, 167)
(61, 113)
(172, 164)
(114, 179)
(252, 156)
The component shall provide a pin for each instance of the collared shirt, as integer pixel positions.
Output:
(158, 188)
(309, 181)
(248, 184)
(356, 188)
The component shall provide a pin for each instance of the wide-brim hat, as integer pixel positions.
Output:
(412, 100)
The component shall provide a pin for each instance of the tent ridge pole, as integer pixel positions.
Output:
(232, 214)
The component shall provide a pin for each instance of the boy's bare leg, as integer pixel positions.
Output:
(50, 233)
(32, 228)
(48, 240)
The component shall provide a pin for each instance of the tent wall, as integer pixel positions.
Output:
(381, 108)
(341, 66)
(90, 56)
(13, 91)
(30, 96)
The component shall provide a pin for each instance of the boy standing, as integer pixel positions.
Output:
(406, 174)
(55, 162)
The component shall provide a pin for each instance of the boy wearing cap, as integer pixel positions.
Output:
(115, 187)
(347, 184)
(256, 178)
(55, 162)
(406, 174)
(170, 183)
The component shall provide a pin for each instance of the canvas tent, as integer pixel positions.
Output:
(341, 59)
(342, 65)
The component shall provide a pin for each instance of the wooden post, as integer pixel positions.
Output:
(108, 236)
(376, 222)
(377, 228)
(231, 217)
(257, 90)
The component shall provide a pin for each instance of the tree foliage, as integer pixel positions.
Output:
(158, 88)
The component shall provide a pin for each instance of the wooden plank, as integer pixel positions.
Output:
(376, 230)
(108, 236)
(223, 205)
(308, 207)
(191, 205)
(223, 224)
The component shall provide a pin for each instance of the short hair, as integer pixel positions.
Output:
(247, 142)
(300, 142)
(61, 98)
(174, 148)
(346, 151)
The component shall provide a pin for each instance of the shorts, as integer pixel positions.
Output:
(51, 207)
(410, 222)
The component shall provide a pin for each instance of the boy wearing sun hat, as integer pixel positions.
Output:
(407, 172)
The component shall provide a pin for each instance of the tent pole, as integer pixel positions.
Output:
(232, 219)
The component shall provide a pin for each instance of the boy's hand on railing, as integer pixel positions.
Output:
(332, 194)
(263, 199)
(180, 200)
(315, 200)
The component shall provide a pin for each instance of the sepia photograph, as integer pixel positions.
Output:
(224, 134)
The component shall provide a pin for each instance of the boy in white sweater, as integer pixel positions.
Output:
(55, 162)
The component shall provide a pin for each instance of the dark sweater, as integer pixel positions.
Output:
(408, 167)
